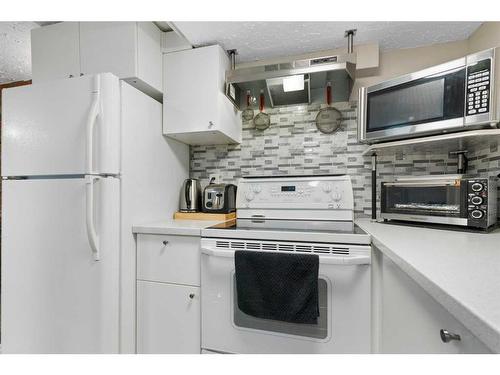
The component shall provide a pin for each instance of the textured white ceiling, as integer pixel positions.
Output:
(264, 40)
(258, 40)
(15, 51)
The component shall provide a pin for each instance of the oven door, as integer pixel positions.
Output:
(438, 201)
(344, 299)
(424, 102)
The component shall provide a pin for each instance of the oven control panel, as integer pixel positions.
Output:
(324, 192)
(477, 201)
(478, 88)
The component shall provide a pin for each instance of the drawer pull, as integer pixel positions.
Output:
(191, 296)
(165, 242)
(448, 336)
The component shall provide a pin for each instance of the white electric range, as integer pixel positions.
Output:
(294, 215)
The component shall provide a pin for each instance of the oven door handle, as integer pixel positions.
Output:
(336, 260)
(422, 184)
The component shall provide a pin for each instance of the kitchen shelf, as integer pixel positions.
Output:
(445, 142)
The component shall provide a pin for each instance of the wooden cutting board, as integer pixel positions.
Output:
(203, 216)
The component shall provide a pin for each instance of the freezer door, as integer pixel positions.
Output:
(46, 127)
(56, 298)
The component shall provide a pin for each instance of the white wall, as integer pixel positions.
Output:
(486, 36)
(402, 61)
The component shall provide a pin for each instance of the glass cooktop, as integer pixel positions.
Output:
(345, 232)
(307, 226)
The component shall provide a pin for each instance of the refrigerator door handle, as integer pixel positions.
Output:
(91, 120)
(91, 232)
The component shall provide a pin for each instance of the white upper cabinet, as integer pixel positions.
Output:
(55, 51)
(129, 50)
(195, 109)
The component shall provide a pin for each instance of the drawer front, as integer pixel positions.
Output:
(169, 259)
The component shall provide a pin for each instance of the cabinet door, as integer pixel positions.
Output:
(55, 51)
(190, 90)
(412, 319)
(168, 318)
(195, 109)
(149, 54)
(108, 47)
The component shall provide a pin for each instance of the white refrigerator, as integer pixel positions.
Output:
(83, 159)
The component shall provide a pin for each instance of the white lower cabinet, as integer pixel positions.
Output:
(168, 318)
(168, 294)
(411, 319)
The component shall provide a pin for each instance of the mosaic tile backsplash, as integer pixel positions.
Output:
(293, 146)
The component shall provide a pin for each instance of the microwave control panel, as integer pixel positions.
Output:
(478, 88)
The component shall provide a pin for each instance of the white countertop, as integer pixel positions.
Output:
(174, 227)
(461, 270)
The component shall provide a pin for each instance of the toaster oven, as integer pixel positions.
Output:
(443, 199)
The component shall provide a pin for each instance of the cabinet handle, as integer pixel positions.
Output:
(70, 76)
(448, 336)
(81, 74)
(191, 296)
(165, 242)
(210, 124)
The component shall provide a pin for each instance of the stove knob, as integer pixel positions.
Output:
(249, 196)
(476, 200)
(477, 186)
(327, 188)
(477, 214)
(336, 196)
(257, 189)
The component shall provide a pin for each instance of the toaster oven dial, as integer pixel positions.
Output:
(476, 186)
(477, 214)
(476, 200)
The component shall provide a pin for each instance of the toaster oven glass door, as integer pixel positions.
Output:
(426, 100)
(444, 201)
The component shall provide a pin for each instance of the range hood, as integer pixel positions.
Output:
(293, 82)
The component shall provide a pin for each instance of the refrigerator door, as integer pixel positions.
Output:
(56, 298)
(57, 127)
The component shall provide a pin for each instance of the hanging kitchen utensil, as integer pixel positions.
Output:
(262, 120)
(329, 118)
(247, 114)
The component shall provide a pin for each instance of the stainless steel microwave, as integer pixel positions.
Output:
(441, 199)
(458, 95)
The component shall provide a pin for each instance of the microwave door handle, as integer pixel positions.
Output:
(334, 260)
